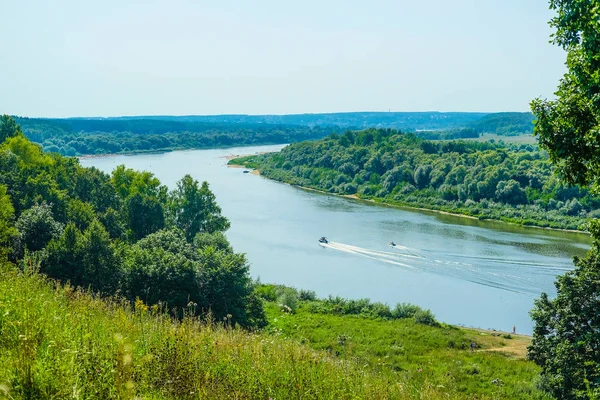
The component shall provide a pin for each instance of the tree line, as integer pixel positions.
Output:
(122, 233)
(84, 136)
(75, 137)
(514, 183)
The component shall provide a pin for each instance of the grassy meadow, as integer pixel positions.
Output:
(57, 342)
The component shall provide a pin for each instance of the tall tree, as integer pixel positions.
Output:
(37, 227)
(569, 127)
(8, 127)
(143, 215)
(195, 209)
(566, 340)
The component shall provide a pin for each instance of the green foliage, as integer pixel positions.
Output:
(513, 183)
(7, 228)
(8, 128)
(163, 268)
(425, 317)
(419, 357)
(216, 240)
(85, 259)
(195, 209)
(37, 227)
(505, 123)
(405, 310)
(82, 136)
(566, 339)
(288, 299)
(567, 127)
(58, 343)
(143, 215)
(122, 234)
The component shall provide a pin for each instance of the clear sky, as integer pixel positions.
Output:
(143, 57)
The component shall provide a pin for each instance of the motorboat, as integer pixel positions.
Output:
(323, 239)
(392, 244)
(246, 171)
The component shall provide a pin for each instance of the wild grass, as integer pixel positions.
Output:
(423, 357)
(57, 343)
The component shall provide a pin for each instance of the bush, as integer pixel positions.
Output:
(425, 317)
(307, 295)
(288, 297)
(266, 292)
(405, 310)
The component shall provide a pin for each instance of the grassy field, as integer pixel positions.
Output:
(422, 357)
(58, 343)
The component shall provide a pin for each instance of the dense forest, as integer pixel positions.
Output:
(121, 233)
(82, 136)
(73, 137)
(513, 183)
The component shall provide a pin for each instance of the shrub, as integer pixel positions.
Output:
(425, 317)
(266, 292)
(307, 295)
(405, 310)
(288, 297)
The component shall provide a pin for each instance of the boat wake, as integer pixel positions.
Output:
(512, 275)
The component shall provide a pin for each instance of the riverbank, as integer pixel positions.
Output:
(386, 203)
(169, 150)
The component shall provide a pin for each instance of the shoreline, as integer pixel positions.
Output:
(164, 151)
(355, 197)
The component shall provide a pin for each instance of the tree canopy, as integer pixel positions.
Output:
(122, 233)
(510, 182)
(566, 340)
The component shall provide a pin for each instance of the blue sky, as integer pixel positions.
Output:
(143, 57)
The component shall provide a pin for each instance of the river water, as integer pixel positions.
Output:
(468, 272)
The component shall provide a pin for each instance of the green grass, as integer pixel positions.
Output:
(245, 161)
(58, 343)
(422, 357)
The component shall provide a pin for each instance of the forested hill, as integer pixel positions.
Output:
(79, 136)
(489, 181)
(122, 233)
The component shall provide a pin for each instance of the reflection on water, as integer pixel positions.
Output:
(470, 272)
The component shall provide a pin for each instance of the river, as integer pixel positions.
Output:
(468, 272)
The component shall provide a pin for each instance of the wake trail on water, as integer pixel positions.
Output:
(486, 271)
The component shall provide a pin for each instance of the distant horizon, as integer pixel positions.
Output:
(263, 115)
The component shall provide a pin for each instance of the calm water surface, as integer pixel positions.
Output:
(468, 272)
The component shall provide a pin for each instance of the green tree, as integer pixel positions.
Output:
(37, 227)
(80, 213)
(102, 267)
(216, 240)
(163, 268)
(7, 228)
(226, 285)
(8, 127)
(568, 126)
(566, 337)
(143, 215)
(63, 260)
(195, 209)
(566, 341)
(510, 192)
